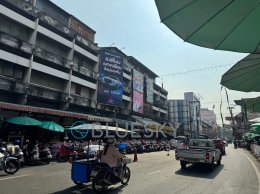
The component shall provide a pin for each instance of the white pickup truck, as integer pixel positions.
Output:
(199, 151)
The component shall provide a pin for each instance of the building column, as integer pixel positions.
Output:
(65, 105)
(27, 74)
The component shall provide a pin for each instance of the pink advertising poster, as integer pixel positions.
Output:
(138, 102)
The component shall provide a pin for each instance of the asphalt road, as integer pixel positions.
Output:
(154, 173)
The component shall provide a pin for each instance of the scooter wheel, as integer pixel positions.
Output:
(12, 166)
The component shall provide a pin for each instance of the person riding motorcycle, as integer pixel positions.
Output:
(111, 155)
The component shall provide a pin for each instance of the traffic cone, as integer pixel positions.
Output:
(135, 157)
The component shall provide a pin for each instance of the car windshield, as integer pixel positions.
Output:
(201, 143)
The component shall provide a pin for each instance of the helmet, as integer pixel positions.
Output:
(17, 142)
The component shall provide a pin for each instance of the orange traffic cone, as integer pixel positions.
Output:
(135, 157)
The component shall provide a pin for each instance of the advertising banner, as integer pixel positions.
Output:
(138, 81)
(138, 102)
(110, 81)
(149, 90)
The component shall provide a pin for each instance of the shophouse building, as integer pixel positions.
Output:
(50, 69)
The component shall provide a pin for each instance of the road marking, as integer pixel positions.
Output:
(154, 172)
(14, 177)
(256, 170)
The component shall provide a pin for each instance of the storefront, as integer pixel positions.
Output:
(10, 132)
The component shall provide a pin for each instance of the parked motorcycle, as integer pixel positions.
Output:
(7, 163)
(66, 153)
(15, 151)
(104, 176)
(39, 153)
(44, 154)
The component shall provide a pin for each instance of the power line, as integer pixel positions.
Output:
(196, 70)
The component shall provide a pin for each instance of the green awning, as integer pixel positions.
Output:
(231, 25)
(50, 125)
(28, 121)
(244, 75)
(251, 104)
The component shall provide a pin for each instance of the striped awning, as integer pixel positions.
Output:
(24, 108)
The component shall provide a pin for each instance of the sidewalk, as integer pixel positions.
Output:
(255, 160)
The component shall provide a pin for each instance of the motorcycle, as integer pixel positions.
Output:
(44, 154)
(66, 153)
(15, 151)
(104, 176)
(39, 153)
(7, 163)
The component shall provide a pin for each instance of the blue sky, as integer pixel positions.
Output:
(135, 25)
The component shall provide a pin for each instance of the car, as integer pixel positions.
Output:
(201, 151)
(219, 144)
(93, 150)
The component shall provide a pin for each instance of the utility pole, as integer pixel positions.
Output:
(233, 122)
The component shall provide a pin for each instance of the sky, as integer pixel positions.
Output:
(134, 27)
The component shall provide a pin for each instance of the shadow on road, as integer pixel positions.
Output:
(81, 189)
(200, 171)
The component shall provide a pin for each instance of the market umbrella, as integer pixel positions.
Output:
(231, 25)
(244, 75)
(255, 128)
(50, 125)
(249, 135)
(28, 121)
(251, 105)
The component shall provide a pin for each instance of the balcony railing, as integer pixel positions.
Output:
(11, 84)
(87, 72)
(44, 92)
(15, 43)
(57, 25)
(87, 43)
(24, 6)
(160, 89)
(160, 105)
(46, 55)
(81, 101)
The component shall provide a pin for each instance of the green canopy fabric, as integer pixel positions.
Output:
(255, 128)
(249, 135)
(231, 25)
(251, 104)
(244, 75)
(28, 121)
(50, 125)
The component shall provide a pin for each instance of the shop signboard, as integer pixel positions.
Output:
(110, 81)
(138, 102)
(138, 81)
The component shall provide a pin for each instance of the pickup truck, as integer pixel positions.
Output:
(199, 151)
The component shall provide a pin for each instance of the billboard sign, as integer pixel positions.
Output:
(110, 81)
(138, 81)
(149, 90)
(138, 102)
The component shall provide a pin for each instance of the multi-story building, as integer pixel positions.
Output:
(209, 122)
(142, 97)
(50, 69)
(186, 112)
